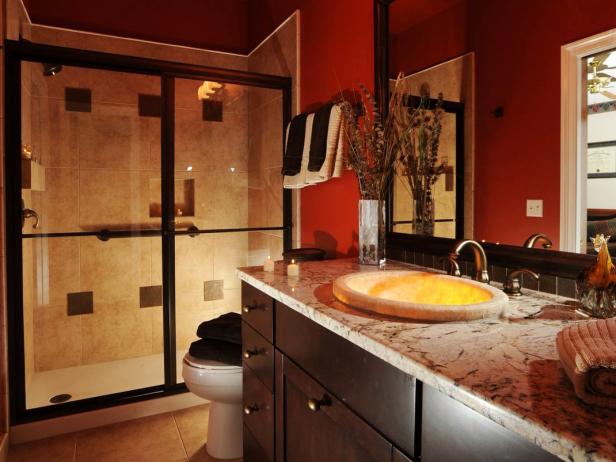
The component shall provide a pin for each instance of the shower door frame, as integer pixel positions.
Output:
(15, 53)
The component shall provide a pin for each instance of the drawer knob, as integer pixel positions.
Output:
(248, 308)
(250, 409)
(250, 353)
(315, 404)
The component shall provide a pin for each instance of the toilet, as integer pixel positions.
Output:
(221, 384)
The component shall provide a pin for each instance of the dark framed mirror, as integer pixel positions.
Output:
(528, 171)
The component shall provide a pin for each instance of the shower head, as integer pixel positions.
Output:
(51, 69)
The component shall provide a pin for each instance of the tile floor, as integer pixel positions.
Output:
(172, 437)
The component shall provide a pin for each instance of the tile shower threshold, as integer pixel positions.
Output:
(92, 380)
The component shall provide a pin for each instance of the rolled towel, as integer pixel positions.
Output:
(227, 328)
(341, 151)
(294, 150)
(318, 140)
(587, 351)
(331, 148)
(299, 180)
(217, 350)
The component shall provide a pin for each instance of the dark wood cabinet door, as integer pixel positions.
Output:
(316, 427)
(453, 431)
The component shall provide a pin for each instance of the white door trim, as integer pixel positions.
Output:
(573, 137)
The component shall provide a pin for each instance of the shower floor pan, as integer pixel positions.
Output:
(100, 379)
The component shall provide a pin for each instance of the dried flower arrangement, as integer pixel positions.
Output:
(418, 130)
(372, 142)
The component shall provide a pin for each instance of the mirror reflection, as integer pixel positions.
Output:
(514, 168)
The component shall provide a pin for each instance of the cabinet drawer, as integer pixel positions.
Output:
(378, 392)
(258, 311)
(258, 355)
(318, 427)
(259, 412)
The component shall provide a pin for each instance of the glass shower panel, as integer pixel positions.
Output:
(206, 284)
(94, 140)
(228, 155)
(92, 267)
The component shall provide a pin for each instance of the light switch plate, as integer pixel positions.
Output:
(534, 208)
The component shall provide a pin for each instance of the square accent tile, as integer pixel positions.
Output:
(212, 110)
(78, 99)
(150, 105)
(213, 290)
(80, 303)
(150, 296)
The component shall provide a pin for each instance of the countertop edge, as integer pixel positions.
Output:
(554, 443)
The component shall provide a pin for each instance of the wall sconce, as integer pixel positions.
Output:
(207, 89)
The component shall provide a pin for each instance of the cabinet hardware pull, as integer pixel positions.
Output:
(315, 404)
(248, 308)
(250, 353)
(249, 409)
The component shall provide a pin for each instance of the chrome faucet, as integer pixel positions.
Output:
(538, 237)
(481, 260)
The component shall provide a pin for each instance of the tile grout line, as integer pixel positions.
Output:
(177, 429)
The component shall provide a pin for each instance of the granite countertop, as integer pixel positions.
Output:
(506, 369)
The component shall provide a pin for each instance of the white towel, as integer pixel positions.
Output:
(333, 137)
(299, 180)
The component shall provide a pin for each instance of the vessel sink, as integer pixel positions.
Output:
(420, 295)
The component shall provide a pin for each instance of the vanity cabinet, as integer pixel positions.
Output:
(318, 427)
(311, 395)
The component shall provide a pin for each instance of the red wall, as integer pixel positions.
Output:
(517, 51)
(336, 53)
(211, 24)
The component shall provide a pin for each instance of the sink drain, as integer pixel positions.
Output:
(62, 398)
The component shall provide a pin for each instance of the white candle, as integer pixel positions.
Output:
(293, 269)
(268, 265)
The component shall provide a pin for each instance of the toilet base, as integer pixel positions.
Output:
(224, 434)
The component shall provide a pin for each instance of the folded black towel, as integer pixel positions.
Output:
(318, 140)
(292, 160)
(227, 328)
(216, 350)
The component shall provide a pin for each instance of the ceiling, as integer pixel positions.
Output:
(209, 24)
(404, 14)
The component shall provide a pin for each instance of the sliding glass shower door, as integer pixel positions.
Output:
(228, 195)
(134, 189)
(91, 236)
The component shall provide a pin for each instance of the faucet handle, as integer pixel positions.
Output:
(454, 267)
(513, 285)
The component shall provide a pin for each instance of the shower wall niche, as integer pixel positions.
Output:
(93, 268)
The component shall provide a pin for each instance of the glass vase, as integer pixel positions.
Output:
(371, 231)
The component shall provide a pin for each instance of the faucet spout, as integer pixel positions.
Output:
(481, 260)
(533, 239)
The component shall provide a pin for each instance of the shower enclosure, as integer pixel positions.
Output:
(134, 188)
